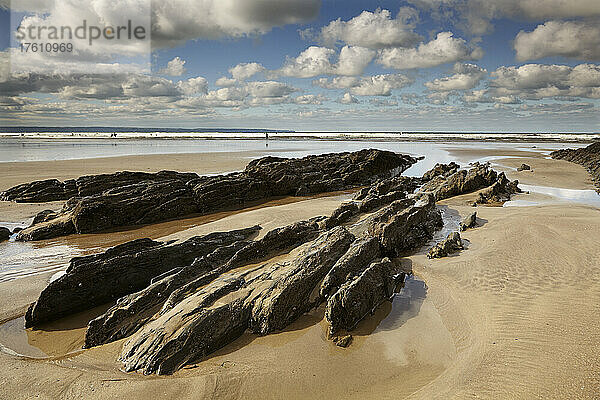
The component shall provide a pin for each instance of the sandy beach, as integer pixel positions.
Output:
(515, 315)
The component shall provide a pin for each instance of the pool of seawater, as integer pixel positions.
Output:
(549, 195)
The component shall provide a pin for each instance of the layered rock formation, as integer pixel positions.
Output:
(179, 302)
(101, 202)
(450, 245)
(589, 157)
(444, 183)
(102, 278)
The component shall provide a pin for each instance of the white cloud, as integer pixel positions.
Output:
(511, 85)
(443, 49)
(310, 99)
(176, 21)
(374, 30)
(175, 67)
(193, 86)
(347, 98)
(226, 82)
(244, 71)
(380, 85)
(316, 61)
(377, 85)
(478, 14)
(269, 89)
(466, 76)
(572, 39)
(311, 62)
(353, 60)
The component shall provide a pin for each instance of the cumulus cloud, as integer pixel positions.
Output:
(244, 71)
(476, 15)
(374, 30)
(445, 48)
(225, 82)
(175, 67)
(377, 85)
(176, 21)
(316, 61)
(310, 99)
(466, 76)
(193, 86)
(511, 85)
(572, 39)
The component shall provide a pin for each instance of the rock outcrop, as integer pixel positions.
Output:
(450, 245)
(132, 311)
(469, 222)
(360, 296)
(480, 176)
(4, 234)
(524, 167)
(99, 279)
(589, 157)
(101, 202)
(179, 302)
(441, 170)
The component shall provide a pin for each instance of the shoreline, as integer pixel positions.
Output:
(323, 136)
(503, 319)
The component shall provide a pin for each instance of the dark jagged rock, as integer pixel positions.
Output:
(36, 192)
(101, 202)
(442, 170)
(480, 176)
(524, 167)
(461, 182)
(589, 157)
(293, 293)
(499, 192)
(185, 312)
(133, 311)
(44, 216)
(359, 297)
(359, 255)
(4, 234)
(408, 229)
(469, 222)
(451, 244)
(220, 312)
(102, 278)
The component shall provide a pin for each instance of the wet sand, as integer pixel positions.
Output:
(515, 315)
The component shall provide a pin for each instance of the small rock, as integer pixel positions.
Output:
(524, 167)
(450, 245)
(469, 222)
(342, 341)
(4, 234)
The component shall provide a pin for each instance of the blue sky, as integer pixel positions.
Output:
(415, 65)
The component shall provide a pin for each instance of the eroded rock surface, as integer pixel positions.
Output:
(178, 311)
(589, 157)
(360, 296)
(102, 278)
(469, 222)
(452, 244)
(480, 176)
(100, 202)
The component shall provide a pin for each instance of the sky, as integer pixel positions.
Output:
(309, 65)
